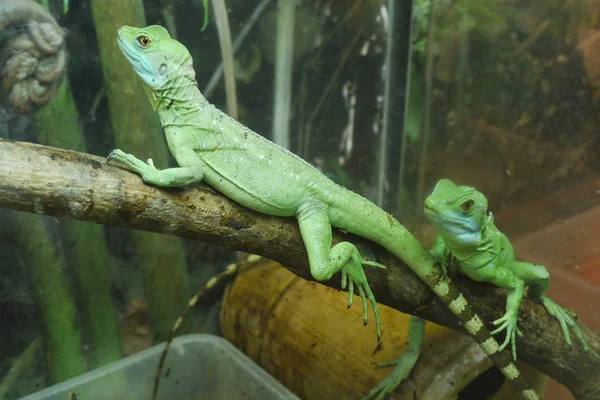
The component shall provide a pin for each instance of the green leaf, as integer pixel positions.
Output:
(205, 4)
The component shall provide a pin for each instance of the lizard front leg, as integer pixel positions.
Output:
(505, 278)
(440, 253)
(170, 177)
(326, 261)
(538, 279)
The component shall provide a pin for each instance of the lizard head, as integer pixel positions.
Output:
(160, 61)
(458, 213)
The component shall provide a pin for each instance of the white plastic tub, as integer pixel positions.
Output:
(198, 366)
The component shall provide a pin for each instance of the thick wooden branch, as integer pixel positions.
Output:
(63, 183)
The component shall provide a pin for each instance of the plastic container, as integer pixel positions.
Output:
(199, 366)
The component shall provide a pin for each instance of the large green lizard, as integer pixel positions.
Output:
(467, 233)
(210, 146)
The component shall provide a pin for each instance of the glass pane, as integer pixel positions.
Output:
(384, 97)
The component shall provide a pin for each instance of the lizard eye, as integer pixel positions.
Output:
(144, 40)
(467, 205)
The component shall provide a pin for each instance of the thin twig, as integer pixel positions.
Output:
(388, 70)
(284, 62)
(237, 43)
(23, 365)
(427, 106)
(539, 31)
(222, 22)
(334, 77)
(306, 132)
(168, 14)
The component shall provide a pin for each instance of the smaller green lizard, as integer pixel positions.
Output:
(467, 232)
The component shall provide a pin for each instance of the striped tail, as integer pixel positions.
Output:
(457, 303)
(231, 270)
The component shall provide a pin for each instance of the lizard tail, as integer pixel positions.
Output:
(231, 270)
(457, 303)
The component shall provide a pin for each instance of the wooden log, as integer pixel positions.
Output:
(303, 334)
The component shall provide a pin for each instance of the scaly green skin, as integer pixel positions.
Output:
(466, 231)
(210, 146)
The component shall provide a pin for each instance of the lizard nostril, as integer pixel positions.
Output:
(429, 202)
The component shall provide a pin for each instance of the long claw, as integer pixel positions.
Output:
(361, 292)
(371, 298)
(350, 293)
(112, 155)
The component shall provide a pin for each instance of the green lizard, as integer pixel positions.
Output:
(210, 146)
(466, 232)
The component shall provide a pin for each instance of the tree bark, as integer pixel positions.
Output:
(56, 182)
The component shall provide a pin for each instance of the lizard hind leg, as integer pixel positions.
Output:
(404, 364)
(538, 279)
(567, 320)
(326, 261)
(346, 256)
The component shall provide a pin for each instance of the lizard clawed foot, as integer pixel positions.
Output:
(122, 157)
(441, 253)
(133, 163)
(444, 264)
(404, 365)
(509, 323)
(566, 320)
(347, 254)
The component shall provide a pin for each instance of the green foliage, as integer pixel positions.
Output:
(455, 16)
(205, 5)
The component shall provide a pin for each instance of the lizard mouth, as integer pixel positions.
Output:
(450, 224)
(138, 61)
(127, 49)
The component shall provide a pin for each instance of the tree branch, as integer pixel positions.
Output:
(63, 183)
